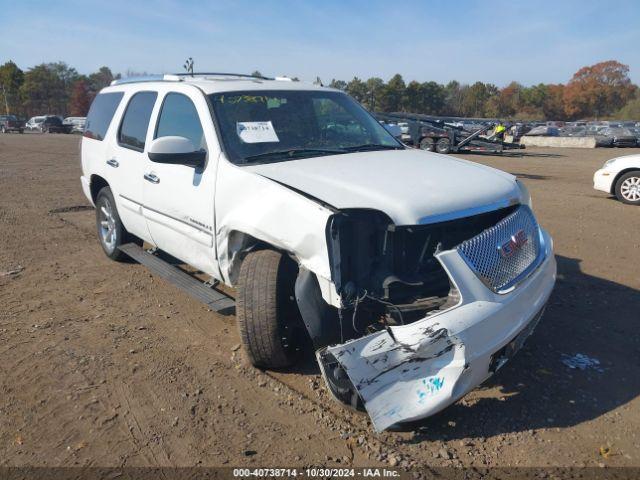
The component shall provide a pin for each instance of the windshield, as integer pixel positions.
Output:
(273, 126)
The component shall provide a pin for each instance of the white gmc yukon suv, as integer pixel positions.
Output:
(413, 276)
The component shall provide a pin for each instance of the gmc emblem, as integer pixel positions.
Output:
(515, 243)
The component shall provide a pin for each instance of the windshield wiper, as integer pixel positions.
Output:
(293, 153)
(372, 146)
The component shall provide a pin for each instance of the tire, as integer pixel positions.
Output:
(266, 309)
(3, 130)
(427, 144)
(21, 131)
(443, 145)
(111, 231)
(628, 188)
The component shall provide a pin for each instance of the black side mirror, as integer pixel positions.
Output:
(191, 159)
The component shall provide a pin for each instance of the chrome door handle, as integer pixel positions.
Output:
(113, 163)
(150, 177)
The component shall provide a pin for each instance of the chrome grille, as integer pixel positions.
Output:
(500, 256)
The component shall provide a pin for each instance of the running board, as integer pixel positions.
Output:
(214, 299)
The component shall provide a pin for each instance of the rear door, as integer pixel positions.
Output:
(179, 199)
(127, 158)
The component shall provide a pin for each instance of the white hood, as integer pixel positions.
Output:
(411, 186)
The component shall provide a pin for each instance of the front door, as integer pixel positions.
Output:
(179, 199)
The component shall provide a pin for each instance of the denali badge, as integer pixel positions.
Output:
(515, 243)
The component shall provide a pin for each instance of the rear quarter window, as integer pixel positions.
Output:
(101, 113)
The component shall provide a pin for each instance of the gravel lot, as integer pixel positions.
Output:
(104, 365)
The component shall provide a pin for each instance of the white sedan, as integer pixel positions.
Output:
(620, 176)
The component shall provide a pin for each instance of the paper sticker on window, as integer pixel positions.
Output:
(256, 132)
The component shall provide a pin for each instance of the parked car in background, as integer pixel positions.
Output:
(620, 176)
(76, 123)
(544, 131)
(10, 123)
(573, 131)
(620, 137)
(33, 124)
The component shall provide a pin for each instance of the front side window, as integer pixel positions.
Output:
(135, 123)
(273, 126)
(179, 117)
(101, 113)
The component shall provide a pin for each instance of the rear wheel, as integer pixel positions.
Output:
(427, 144)
(443, 145)
(111, 231)
(266, 309)
(628, 188)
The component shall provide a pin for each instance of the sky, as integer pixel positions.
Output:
(491, 41)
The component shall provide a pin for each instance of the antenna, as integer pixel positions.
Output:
(188, 66)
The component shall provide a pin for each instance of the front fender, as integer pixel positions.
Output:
(249, 206)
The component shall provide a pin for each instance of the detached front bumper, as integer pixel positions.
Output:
(410, 372)
(602, 180)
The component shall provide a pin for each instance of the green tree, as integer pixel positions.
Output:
(413, 98)
(453, 98)
(339, 84)
(375, 87)
(392, 95)
(631, 111)
(47, 88)
(474, 98)
(357, 89)
(11, 79)
(100, 79)
(433, 98)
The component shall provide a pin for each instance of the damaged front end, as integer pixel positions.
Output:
(427, 312)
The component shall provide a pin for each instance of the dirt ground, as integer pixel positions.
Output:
(104, 365)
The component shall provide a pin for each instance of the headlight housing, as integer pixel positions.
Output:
(525, 196)
(610, 162)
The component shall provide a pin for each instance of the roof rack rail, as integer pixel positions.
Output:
(178, 77)
(141, 78)
(220, 74)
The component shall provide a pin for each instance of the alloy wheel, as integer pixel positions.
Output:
(630, 189)
(107, 226)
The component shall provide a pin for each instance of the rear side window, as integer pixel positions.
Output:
(135, 123)
(101, 114)
(180, 117)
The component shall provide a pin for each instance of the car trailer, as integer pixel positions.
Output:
(433, 134)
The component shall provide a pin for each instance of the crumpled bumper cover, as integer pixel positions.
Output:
(410, 372)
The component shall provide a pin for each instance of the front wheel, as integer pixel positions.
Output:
(266, 309)
(443, 145)
(628, 188)
(111, 231)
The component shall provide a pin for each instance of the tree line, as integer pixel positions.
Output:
(54, 88)
(597, 91)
